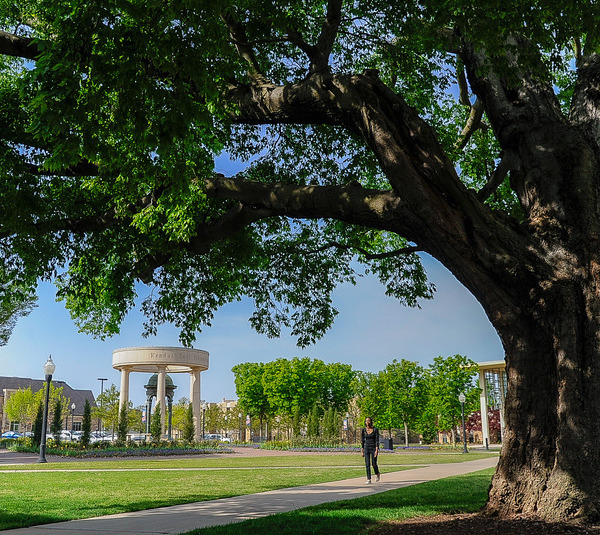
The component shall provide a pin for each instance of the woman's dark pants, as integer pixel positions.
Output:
(370, 459)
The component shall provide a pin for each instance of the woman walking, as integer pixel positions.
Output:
(370, 448)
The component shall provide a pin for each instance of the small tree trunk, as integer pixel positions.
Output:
(406, 434)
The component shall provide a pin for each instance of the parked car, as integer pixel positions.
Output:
(101, 436)
(11, 434)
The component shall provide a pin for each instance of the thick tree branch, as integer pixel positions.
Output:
(473, 123)
(585, 104)
(328, 36)
(83, 168)
(230, 223)
(375, 208)
(368, 255)
(319, 53)
(240, 40)
(21, 47)
(463, 88)
(497, 177)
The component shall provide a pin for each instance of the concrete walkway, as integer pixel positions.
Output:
(182, 518)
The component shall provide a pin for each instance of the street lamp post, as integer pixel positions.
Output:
(101, 379)
(49, 368)
(462, 400)
(203, 416)
(72, 418)
(240, 426)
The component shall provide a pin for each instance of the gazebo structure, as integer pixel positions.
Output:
(492, 382)
(163, 360)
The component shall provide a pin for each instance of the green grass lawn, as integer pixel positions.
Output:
(233, 461)
(55, 492)
(457, 494)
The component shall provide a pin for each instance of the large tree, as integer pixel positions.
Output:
(112, 112)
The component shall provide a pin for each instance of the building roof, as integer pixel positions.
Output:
(76, 396)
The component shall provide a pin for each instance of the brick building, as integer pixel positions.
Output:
(9, 385)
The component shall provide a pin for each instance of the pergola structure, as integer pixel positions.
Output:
(492, 382)
(162, 360)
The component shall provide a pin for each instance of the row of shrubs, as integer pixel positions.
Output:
(107, 449)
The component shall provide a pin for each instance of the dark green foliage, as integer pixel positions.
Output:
(86, 425)
(123, 425)
(56, 425)
(313, 422)
(189, 429)
(331, 424)
(155, 425)
(37, 426)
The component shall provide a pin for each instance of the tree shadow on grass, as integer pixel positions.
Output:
(479, 524)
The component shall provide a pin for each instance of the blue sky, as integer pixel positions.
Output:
(370, 330)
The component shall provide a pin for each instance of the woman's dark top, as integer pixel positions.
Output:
(370, 440)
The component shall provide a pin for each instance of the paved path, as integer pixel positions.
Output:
(182, 518)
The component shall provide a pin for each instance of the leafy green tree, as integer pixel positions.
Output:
(213, 419)
(123, 425)
(466, 130)
(189, 429)
(156, 425)
(250, 391)
(56, 425)
(20, 406)
(86, 425)
(180, 414)
(107, 408)
(370, 388)
(134, 418)
(451, 376)
(405, 393)
(17, 300)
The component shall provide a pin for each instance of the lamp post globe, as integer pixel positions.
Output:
(49, 368)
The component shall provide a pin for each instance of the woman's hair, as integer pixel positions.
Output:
(368, 418)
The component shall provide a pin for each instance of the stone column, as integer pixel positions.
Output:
(170, 426)
(485, 426)
(124, 394)
(501, 376)
(195, 401)
(161, 391)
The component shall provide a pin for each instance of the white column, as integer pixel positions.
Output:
(501, 375)
(485, 426)
(161, 390)
(124, 394)
(195, 401)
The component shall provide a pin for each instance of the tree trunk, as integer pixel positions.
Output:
(550, 453)
(405, 434)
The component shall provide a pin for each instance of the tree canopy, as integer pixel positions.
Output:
(371, 130)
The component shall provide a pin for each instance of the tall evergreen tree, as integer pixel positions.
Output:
(155, 425)
(56, 425)
(37, 426)
(123, 426)
(86, 425)
(189, 429)
(313, 423)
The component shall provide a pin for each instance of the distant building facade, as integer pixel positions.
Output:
(73, 419)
